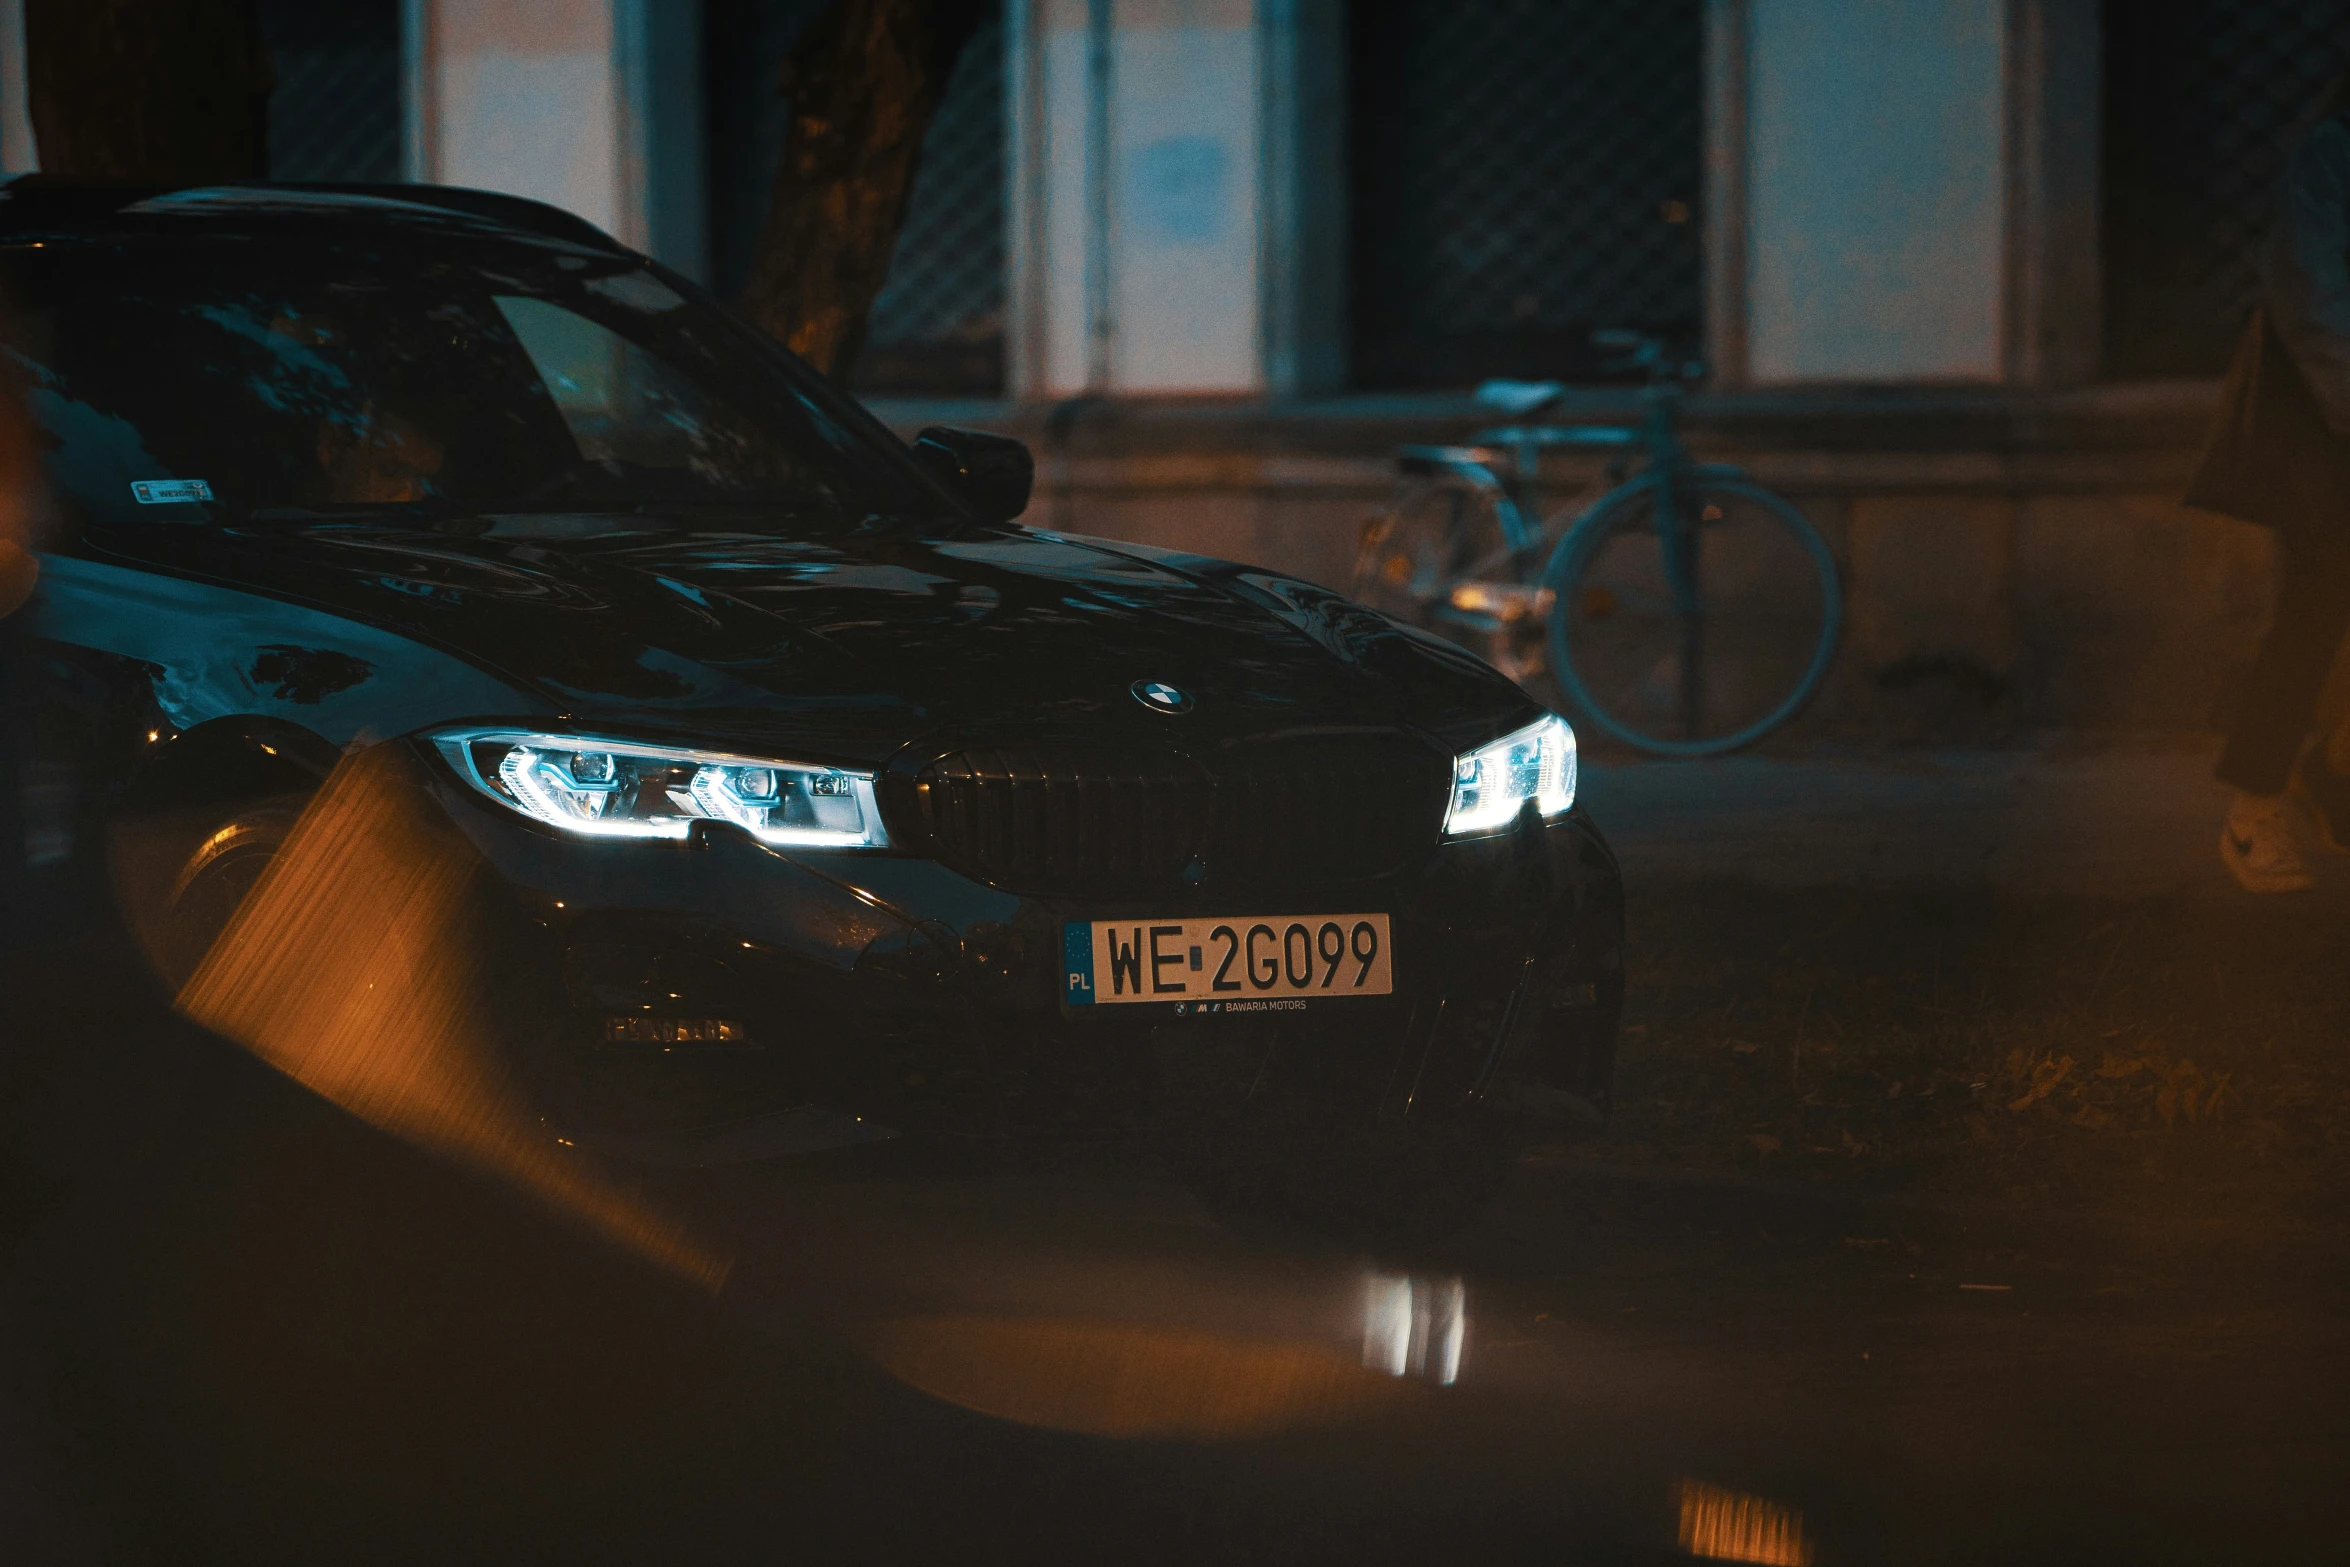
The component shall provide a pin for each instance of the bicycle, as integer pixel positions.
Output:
(1719, 624)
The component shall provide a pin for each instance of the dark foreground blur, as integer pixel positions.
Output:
(1865, 1273)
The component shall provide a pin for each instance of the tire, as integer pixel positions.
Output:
(1620, 651)
(1439, 560)
(214, 880)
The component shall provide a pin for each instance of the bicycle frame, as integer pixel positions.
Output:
(1656, 438)
(1656, 489)
(1664, 471)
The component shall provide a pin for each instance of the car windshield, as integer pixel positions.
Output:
(188, 382)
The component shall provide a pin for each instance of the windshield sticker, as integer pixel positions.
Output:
(163, 492)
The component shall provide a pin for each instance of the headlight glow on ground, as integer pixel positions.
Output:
(1414, 1327)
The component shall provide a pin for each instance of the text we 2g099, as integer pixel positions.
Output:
(1232, 959)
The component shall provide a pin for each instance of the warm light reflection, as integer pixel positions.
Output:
(1731, 1526)
(1414, 1327)
(1507, 600)
(1117, 1380)
(359, 966)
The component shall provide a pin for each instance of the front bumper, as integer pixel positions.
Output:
(896, 989)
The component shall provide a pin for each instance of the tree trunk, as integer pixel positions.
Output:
(172, 90)
(863, 83)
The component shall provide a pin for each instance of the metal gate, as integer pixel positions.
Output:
(2203, 100)
(938, 323)
(334, 101)
(1523, 171)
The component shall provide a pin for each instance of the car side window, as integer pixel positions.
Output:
(170, 394)
(189, 383)
(631, 411)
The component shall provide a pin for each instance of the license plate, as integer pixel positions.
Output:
(1234, 963)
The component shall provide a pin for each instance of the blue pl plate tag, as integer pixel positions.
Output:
(163, 492)
(1077, 959)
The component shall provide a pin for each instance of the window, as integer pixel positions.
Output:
(1524, 172)
(937, 325)
(2203, 99)
(178, 383)
(334, 98)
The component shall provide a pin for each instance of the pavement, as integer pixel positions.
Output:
(2114, 819)
(260, 1331)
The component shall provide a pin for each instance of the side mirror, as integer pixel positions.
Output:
(994, 473)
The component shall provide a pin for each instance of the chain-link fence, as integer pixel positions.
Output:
(938, 323)
(1524, 171)
(334, 101)
(2203, 100)
(937, 326)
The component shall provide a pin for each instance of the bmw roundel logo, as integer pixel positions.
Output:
(1160, 697)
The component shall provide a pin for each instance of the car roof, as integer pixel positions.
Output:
(46, 206)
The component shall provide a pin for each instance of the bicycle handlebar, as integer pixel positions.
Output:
(1642, 351)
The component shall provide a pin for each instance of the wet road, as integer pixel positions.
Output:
(275, 1335)
(1921, 1383)
(237, 1324)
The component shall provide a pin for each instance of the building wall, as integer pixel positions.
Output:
(1876, 190)
(1996, 587)
(591, 105)
(1898, 192)
(523, 100)
(1971, 617)
(1137, 130)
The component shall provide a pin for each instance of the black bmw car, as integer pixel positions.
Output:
(829, 797)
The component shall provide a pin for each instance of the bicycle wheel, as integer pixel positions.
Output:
(1440, 560)
(1702, 635)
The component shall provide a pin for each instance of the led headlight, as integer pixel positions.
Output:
(1492, 784)
(624, 789)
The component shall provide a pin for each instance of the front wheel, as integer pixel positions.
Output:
(215, 878)
(1690, 619)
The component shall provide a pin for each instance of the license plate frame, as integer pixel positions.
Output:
(1211, 964)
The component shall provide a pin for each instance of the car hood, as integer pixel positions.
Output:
(846, 648)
